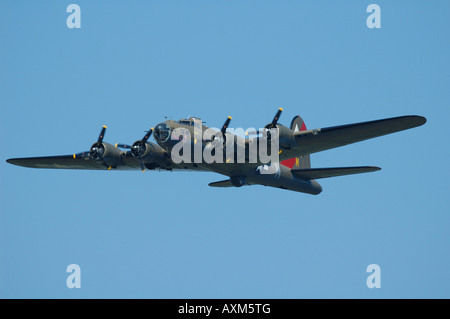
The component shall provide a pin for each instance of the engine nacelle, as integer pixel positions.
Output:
(148, 152)
(105, 151)
(285, 135)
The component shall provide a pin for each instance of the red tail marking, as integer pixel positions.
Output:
(291, 161)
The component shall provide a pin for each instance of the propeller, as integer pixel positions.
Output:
(268, 128)
(138, 148)
(275, 119)
(223, 130)
(98, 149)
(225, 125)
(102, 152)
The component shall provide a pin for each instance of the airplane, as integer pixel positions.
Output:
(292, 171)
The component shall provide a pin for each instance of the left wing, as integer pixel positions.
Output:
(104, 156)
(75, 161)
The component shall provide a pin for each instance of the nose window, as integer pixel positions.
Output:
(161, 132)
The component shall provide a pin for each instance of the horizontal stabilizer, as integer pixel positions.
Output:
(316, 173)
(225, 183)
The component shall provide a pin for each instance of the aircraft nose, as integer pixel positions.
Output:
(161, 132)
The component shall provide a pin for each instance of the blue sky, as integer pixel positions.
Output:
(169, 235)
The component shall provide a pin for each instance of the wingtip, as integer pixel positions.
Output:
(419, 120)
(15, 161)
(372, 168)
(423, 119)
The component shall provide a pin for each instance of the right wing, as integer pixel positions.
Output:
(313, 141)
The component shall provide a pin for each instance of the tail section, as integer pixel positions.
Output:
(302, 162)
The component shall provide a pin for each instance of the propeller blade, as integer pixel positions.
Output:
(102, 134)
(275, 119)
(123, 145)
(225, 125)
(147, 136)
(142, 166)
(223, 130)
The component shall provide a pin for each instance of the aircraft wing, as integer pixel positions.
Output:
(313, 141)
(75, 161)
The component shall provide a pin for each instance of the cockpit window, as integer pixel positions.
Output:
(161, 132)
(185, 122)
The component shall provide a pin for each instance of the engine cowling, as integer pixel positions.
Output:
(284, 134)
(148, 151)
(106, 152)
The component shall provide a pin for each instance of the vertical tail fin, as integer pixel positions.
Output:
(301, 162)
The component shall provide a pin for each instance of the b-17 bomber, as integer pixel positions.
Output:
(275, 155)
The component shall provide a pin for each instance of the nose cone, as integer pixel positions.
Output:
(161, 133)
